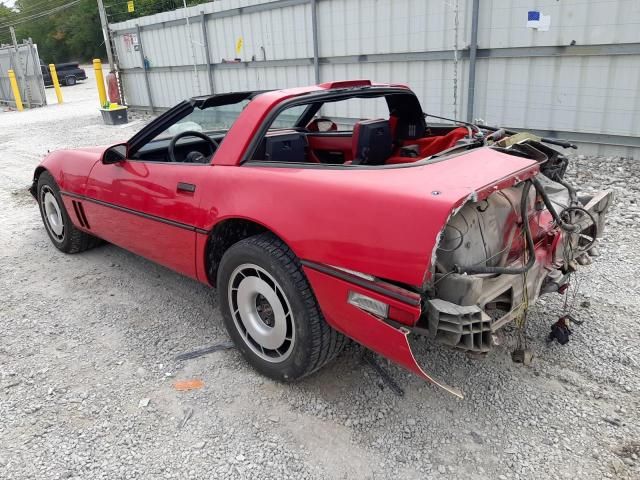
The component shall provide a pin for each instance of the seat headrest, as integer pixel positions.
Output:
(410, 128)
(372, 143)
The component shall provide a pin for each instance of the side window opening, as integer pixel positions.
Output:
(346, 113)
(368, 129)
(318, 133)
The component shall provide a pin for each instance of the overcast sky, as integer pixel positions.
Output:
(8, 3)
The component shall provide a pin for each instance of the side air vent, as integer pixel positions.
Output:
(78, 208)
(462, 327)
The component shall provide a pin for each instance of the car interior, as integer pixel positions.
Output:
(187, 149)
(370, 142)
(403, 137)
(400, 138)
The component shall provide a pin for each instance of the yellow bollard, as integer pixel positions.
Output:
(56, 83)
(102, 93)
(16, 90)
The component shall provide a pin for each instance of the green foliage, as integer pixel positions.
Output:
(74, 34)
(5, 13)
(117, 9)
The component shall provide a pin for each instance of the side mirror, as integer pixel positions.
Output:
(115, 154)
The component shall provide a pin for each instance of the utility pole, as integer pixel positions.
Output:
(14, 40)
(105, 34)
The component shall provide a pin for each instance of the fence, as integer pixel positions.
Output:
(25, 62)
(572, 73)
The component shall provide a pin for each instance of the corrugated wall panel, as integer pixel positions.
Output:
(432, 81)
(134, 87)
(361, 27)
(171, 87)
(283, 33)
(127, 56)
(585, 93)
(256, 78)
(587, 22)
(28, 75)
(170, 46)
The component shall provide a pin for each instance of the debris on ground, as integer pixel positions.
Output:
(188, 413)
(522, 355)
(186, 385)
(369, 358)
(205, 351)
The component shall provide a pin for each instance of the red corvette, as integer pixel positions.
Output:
(315, 228)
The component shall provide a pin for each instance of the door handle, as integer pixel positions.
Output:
(186, 187)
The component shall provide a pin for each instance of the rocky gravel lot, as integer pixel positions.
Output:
(88, 345)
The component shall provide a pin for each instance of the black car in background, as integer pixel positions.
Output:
(68, 74)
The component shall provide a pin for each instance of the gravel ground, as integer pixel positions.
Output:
(88, 345)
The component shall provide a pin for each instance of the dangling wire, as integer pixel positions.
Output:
(568, 307)
(521, 319)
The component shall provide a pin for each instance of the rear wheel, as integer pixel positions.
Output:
(63, 234)
(270, 311)
(70, 81)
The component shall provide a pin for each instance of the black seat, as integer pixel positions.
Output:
(282, 146)
(372, 143)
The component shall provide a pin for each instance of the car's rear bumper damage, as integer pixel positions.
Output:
(384, 336)
(459, 309)
(468, 309)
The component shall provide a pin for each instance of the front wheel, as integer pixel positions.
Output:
(70, 81)
(270, 311)
(63, 234)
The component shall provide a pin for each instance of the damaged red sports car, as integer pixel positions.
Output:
(315, 227)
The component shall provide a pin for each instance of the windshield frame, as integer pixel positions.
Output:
(181, 111)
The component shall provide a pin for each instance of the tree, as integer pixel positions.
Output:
(5, 16)
(61, 36)
(75, 32)
(118, 12)
(5, 12)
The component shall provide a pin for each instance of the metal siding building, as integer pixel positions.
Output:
(579, 80)
(25, 62)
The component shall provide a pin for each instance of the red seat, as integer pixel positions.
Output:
(430, 145)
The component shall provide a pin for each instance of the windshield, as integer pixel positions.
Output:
(209, 120)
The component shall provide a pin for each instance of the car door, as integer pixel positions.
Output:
(150, 208)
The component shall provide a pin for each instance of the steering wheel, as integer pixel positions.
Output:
(213, 145)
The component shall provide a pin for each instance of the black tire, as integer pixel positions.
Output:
(70, 239)
(314, 342)
(70, 81)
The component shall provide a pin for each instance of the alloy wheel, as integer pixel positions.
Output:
(261, 313)
(52, 213)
